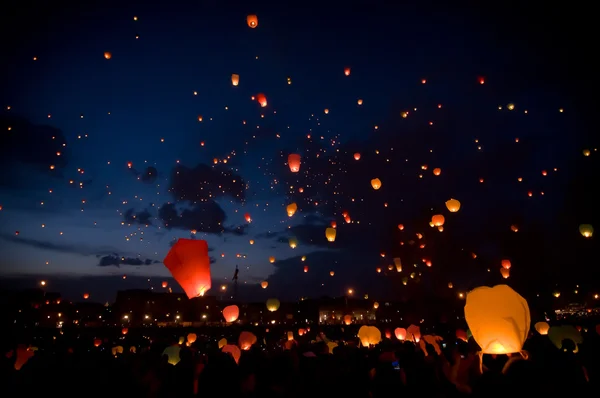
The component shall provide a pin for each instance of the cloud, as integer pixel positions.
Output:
(116, 260)
(149, 175)
(207, 217)
(143, 217)
(56, 247)
(29, 151)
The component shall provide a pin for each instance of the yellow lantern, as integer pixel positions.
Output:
(369, 335)
(264, 284)
(293, 243)
(376, 183)
(398, 264)
(291, 209)
(273, 304)
(586, 152)
(542, 328)
(222, 343)
(330, 234)
(586, 230)
(453, 205)
(438, 220)
(498, 318)
(235, 79)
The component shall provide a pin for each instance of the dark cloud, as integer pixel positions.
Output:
(207, 217)
(51, 246)
(205, 183)
(132, 217)
(29, 151)
(149, 175)
(116, 260)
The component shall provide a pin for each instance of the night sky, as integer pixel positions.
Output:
(108, 160)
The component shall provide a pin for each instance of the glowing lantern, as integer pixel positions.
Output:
(231, 313)
(401, 227)
(326, 111)
(331, 273)
(251, 241)
(301, 332)
(246, 340)
(461, 335)
(294, 162)
(272, 259)
(235, 79)
(357, 156)
(262, 100)
(542, 328)
(400, 333)
(506, 264)
(359, 102)
(86, 296)
(172, 353)
(293, 243)
(514, 228)
(252, 21)
(333, 224)
(586, 230)
(375, 305)
(347, 71)
(453, 205)
(369, 335)
(189, 263)
(291, 209)
(118, 350)
(107, 55)
(264, 284)
(498, 318)
(124, 331)
(398, 264)
(347, 319)
(247, 217)
(222, 343)
(306, 268)
(437, 171)
(273, 304)
(164, 284)
(330, 234)
(290, 335)
(505, 272)
(97, 342)
(510, 107)
(303, 258)
(586, 152)
(414, 333)
(191, 338)
(376, 183)
(438, 220)
(232, 350)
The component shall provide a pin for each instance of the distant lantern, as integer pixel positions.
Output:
(586, 152)
(247, 217)
(294, 162)
(235, 79)
(586, 230)
(293, 243)
(505, 272)
(306, 268)
(331, 273)
(246, 340)
(231, 313)
(347, 319)
(437, 171)
(514, 228)
(124, 331)
(453, 205)
(360, 101)
(326, 111)
(510, 107)
(330, 234)
(291, 209)
(347, 71)
(273, 304)
(398, 264)
(333, 224)
(401, 227)
(272, 259)
(262, 100)
(375, 305)
(107, 55)
(438, 220)
(506, 264)
(252, 21)
(192, 337)
(264, 284)
(376, 183)
(86, 296)
(400, 333)
(164, 284)
(542, 328)
(357, 156)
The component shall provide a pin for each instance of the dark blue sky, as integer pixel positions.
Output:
(173, 65)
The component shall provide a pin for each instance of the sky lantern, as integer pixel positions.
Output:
(506, 264)
(264, 284)
(510, 107)
(505, 272)
(347, 319)
(232, 350)
(97, 342)
(86, 296)
(586, 152)
(437, 171)
(107, 55)
(333, 224)
(252, 21)
(164, 284)
(291, 209)
(246, 340)
(231, 313)
(398, 264)
(247, 217)
(586, 230)
(438, 220)
(414, 333)
(293, 243)
(273, 304)
(376, 183)
(347, 71)
(369, 335)
(400, 333)
(306, 268)
(498, 318)
(326, 111)
(331, 273)
(235, 79)
(542, 328)
(514, 228)
(375, 305)
(401, 227)
(330, 234)
(189, 264)
(357, 156)
(272, 259)
(481, 80)
(360, 101)
(192, 337)
(124, 331)
(251, 241)
(453, 205)
(303, 258)
(262, 100)
(294, 162)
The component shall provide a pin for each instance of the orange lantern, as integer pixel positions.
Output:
(330, 234)
(252, 21)
(437, 171)
(400, 333)
(347, 71)
(506, 264)
(306, 268)
(505, 272)
(231, 313)
(262, 100)
(438, 220)
(246, 340)
(347, 319)
(247, 217)
(294, 162)
(453, 205)
(107, 55)
(234, 351)
(86, 296)
(235, 79)
(272, 259)
(376, 183)
(264, 284)
(357, 156)
(97, 342)
(165, 284)
(124, 331)
(189, 264)
(291, 209)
